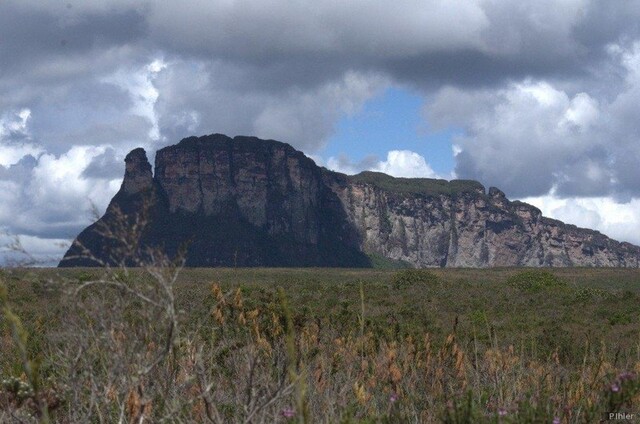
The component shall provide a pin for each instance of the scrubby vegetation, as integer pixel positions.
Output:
(536, 281)
(354, 346)
(413, 278)
(427, 186)
(380, 262)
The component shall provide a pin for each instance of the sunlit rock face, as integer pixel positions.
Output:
(251, 202)
(467, 228)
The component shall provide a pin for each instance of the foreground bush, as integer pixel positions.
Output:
(126, 353)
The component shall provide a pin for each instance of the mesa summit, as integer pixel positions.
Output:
(249, 202)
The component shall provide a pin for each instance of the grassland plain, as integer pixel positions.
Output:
(319, 345)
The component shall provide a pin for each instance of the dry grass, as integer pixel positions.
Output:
(459, 346)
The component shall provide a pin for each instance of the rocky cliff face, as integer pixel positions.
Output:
(251, 202)
(228, 202)
(456, 224)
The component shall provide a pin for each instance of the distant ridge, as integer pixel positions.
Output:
(251, 202)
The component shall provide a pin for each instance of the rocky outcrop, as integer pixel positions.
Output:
(434, 225)
(137, 174)
(251, 202)
(225, 202)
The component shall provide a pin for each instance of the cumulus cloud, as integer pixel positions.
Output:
(399, 163)
(344, 164)
(14, 125)
(404, 163)
(139, 84)
(620, 221)
(14, 138)
(49, 197)
(272, 69)
(526, 138)
(572, 153)
(10, 155)
(532, 136)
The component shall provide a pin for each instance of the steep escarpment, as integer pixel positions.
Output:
(251, 202)
(225, 202)
(432, 223)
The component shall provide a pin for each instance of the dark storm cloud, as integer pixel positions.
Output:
(474, 69)
(603, 23)
(256, 50)
(418, 42)
(36, 37)
(195, 97)
(278, 44)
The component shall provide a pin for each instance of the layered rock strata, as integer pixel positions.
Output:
(252, 202)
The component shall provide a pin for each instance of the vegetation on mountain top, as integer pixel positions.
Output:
(428, 186)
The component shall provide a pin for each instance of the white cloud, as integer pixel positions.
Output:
(60, 176)
(620, 221)
(139, 84)
(14, 123)
(528, 137)
(399, 163)
(344, 165)
(54, 199)
(405, 163)
(582, 113)
(10, 155)
(536, 137)
(630, 58)
(14, 138)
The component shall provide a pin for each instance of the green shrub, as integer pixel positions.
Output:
(479, 318)
(413, 277)
(584, 294)
(534, 281)
(428, 186)
(619, 318)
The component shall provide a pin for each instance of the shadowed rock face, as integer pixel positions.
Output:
(137, 174)
(251, 202)
(229, 202)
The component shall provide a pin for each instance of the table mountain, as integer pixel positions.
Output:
(249, 202)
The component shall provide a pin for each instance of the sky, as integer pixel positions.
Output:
(537, 98)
